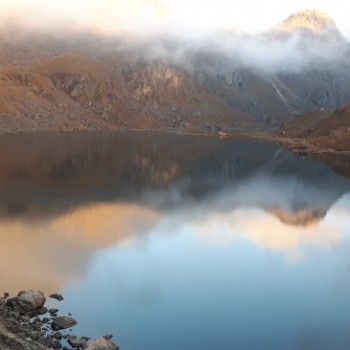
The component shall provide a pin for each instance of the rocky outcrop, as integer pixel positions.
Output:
(57, 296)
(27, 301)
(312, 22)
(322, 129)
(21, 330)
(63, 322)
(101, 343)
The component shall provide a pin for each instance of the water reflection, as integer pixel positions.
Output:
(218, 239)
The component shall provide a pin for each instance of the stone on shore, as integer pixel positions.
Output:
(77, 343)
(27, 301)
(63, 322)
(57, 296)
(101, 344)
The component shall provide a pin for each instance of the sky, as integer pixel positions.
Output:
(248, 15)
(253, 15)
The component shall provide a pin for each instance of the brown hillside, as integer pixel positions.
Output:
(80, 90)
(322, 129)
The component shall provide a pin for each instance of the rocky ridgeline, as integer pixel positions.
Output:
(27, 324)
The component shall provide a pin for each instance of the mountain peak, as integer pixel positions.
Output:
(312, 21)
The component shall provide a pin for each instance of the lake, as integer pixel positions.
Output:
(179, 242)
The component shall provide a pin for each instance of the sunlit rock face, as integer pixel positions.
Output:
(314, 21)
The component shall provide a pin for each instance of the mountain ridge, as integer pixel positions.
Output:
(93, 82)
(312, 21)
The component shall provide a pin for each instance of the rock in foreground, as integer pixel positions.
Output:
(27, 301)
(101, 344)
(25, 325)
(63, 322)
(56, 296)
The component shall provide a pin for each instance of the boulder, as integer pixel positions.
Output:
(56, 296)
(76, 343)
(27, 301)
(63, 322)
(101, 344)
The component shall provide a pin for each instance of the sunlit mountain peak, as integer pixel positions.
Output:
(314, 21)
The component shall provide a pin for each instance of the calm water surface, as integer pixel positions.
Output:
(179, 242)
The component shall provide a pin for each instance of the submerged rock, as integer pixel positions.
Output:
(101, 344)
(63, 322)
(57, 296)
(53, 312)
(77, 343)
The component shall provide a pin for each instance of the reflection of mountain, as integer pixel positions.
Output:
(268, 232)
(61, 172)
(304, 217)
(70, 195)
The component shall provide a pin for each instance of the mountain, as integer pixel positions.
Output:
(323, 135)
(312, 22)
(91, 80)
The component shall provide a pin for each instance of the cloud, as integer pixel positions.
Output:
(266, 231)
(104, 16)
(145, 30)
(278, 214)
(48, 251)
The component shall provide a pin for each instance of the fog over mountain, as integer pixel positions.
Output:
(117, 64)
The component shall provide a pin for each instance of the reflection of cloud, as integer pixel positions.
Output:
(266, 231)
(44, 255)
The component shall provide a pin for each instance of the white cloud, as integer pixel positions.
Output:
(252, 15)
(111, 15)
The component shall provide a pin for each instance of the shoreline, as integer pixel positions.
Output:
(298, 145)
(27, 323)
(294, 144)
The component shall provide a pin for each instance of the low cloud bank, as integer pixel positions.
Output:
(144, 30)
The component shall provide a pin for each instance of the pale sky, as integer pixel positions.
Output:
(248, 15)
(253, 15)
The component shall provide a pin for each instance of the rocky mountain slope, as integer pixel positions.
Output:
(312, 22)
(323, 128)
(94, 82)
(323, 135)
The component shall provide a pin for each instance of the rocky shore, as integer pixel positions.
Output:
(26, 323)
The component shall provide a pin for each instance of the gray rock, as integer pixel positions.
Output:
(63, 322)
(56, 344)
(53, 311)
(101, 344)
(57, 296)
(35, 335)
(57, 336)
(27, 301)
(76, 343)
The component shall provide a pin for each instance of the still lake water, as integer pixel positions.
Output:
(179, 242)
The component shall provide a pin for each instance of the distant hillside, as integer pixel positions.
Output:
(325, 129)
(91, 81)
